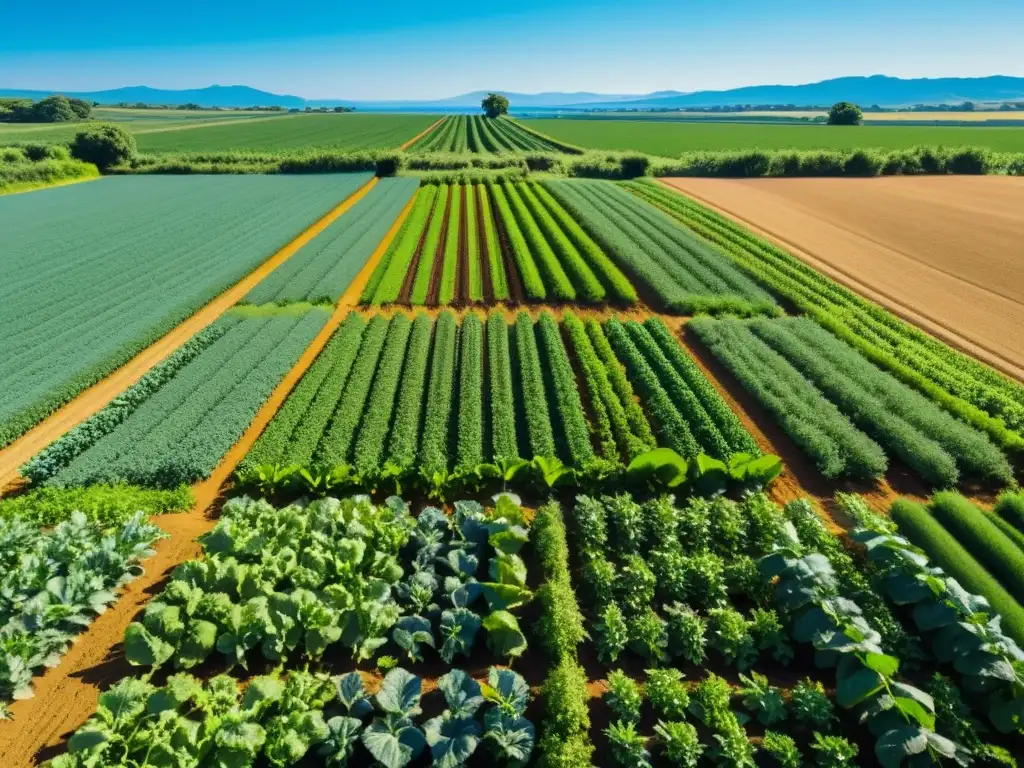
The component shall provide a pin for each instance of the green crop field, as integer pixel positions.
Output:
(670, 139)
(93, 273)
(339, 132)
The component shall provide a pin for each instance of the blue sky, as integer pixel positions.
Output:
(399, 50)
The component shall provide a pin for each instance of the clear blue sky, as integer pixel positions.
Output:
(397, 50)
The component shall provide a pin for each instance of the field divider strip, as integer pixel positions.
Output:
(350, 298)
(422, 133)
(96, 397)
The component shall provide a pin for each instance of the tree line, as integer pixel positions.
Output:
(52, 109)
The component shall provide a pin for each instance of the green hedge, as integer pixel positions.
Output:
(1010, 507)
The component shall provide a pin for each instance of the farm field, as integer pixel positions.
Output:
(508, 472)
(132, 120)
(73, 283)
(943, 252)
(670, 139)
(338, 132)
(477, 133)
(978, 116)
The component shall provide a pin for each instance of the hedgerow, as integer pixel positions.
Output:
(926, 532)
(336, 444)
(376, 416)
(531, 377)
(983, 539)
(470, 447)
(434, 447)
(106, 505)
(499, 366)
(569, 408)
(835, 446)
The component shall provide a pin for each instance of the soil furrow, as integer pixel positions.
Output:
(515, 283)
(405, 296)
(483, 252)
(462, 273)
(434, 288)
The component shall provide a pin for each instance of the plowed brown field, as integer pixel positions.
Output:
(944, 252)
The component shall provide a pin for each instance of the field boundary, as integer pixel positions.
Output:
(973, 349)
(92, 399)
(422, 133)
(211, 124)
(350, 298)
(22, 187)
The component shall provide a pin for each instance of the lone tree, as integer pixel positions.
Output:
(103, 145)
(54, 109)
(845, 113)
(494, 105)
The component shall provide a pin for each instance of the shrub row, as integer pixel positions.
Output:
(569, 408)
(405, 433)
(376, 418)
(385, 284)
(434, 446)
(503, 412)
(556, 281)
(471, 395)
(533, 285)
(635, 417)
(531, 377)
(430, 245)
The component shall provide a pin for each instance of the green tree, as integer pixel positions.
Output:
(53, 109)
(494, 105)
(81, 108)
(104, 145)
(845, 113)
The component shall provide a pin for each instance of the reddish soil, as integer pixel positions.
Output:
(100, 394)
(483, 251)
(462, 273)
(434, 288)
(943, 252)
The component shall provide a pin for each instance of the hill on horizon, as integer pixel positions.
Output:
(864, 90)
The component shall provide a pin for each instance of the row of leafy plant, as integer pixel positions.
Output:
(177, 431)
(676, 270)
(480, 134)
(394, 402)
(53, 584)
(489, 229)
(846, 414)
(968, 389)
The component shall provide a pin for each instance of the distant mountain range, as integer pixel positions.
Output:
(876, 89)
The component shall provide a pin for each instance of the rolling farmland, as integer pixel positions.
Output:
(521, 469)
(669, 139)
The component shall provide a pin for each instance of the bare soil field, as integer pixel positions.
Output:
(946, 253)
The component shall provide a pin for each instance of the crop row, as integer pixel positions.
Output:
(680, 273)
(92, 274)
(183, 427)
(845, 413)
(390, 397)
(961, 385)
(467, 243)
(477, 133)
(323, 268)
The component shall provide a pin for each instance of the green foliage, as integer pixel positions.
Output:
(377, 413)
(680, 742)
(104, 145)
(763, 699)
(627, 746)
(568, 406)
(835, 446)
(470, 443)
(993, 549)
(811, 705)
(386, 283)
(946, 551)
(434, 453)
(106, 505)
(561, 622)
(782, 749)
(667, 693)
(1010, 507)
(55, 582)
(845, 113)
(566, 717)
(494, 104)
(623, 696)
(833, 751)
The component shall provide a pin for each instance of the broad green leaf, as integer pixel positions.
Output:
(461, 692)
(400, 693)
(504, 637)
(144, 649)
(452, 739)
(394, 741)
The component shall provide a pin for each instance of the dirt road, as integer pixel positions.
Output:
(945, 252)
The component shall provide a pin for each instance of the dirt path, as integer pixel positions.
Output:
(945, 253)
(100, 394)
(421, 134)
